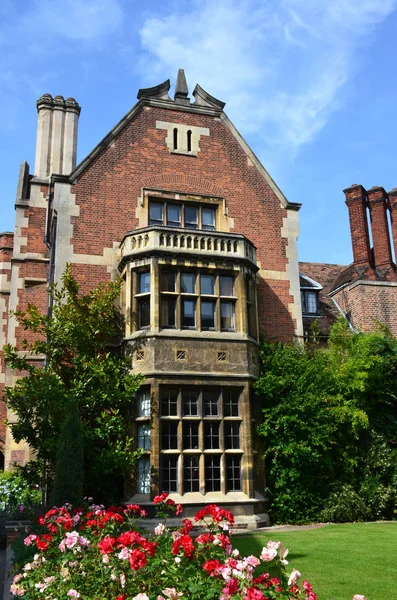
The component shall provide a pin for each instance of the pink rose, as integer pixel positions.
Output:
(268, 554)
(293, 578)
(275, 545)
(359, 597)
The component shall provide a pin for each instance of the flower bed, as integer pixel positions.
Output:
(102, 554)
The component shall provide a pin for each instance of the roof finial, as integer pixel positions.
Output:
(181, 89)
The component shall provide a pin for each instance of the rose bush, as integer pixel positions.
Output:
(102, 554)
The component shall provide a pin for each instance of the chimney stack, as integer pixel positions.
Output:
(356, 200)
(378, 205)
(56, 145)
(393, 217)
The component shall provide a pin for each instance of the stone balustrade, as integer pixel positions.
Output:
(209, 244)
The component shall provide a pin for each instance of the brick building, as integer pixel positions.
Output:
(174, 201)
(364, 292)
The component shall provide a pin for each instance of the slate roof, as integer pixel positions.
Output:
(326, 275)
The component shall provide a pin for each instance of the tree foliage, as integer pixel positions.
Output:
(69, 467)
(81, 368)
(330, 426)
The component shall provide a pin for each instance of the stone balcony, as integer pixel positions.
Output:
(188, 242)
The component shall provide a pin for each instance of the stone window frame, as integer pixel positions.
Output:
(181, 448)
(199, 298)
(166, 221)
(223, 222)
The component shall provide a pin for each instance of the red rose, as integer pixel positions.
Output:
(211, 567)
(137, 559)
(231, 587)
(107, 545)
(42, 543)
(254, 594)
(122, 597)
(160, 498)
(187, 526)
(127, 538)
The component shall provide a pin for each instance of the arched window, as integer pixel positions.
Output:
(175, 138)
(189, 141)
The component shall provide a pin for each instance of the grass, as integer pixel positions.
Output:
(338, 560)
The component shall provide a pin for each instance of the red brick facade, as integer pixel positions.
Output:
(88, 217)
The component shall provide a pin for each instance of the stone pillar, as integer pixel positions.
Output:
(356, 200)
(378, 200)
(393, 214)
(43, 140)
(70, 135)
(58, 117)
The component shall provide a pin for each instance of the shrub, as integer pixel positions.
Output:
(17, 496)
(97, 553)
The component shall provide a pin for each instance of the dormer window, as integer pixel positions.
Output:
(309, 302)
(310, 298)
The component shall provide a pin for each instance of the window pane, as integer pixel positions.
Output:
(211, 404)
(207, 315)
(191, 217)
(232, 435)
(143, 403)
(211, 436)
(189, 313)
(227, 316)
(168, 312)
(156, 213)
(208, 218)
(188, 283)
(143, 476)
(226, 285)
(189, 403)
(169, 436)
(173, 215)
(190, 435)
(169, 474)
(231, 403)
(212, 474)
(191, 474)
(169, 403)
(144, 283)
(144, 436)
(311, 302)
(233, 473)
(207, 284)
(144, 311)
(167, 281)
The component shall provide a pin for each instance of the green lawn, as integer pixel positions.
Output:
(338, 560)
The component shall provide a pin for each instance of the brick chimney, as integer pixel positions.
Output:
(393, 215)
(356, 200)
(56, 144)
(378, 205)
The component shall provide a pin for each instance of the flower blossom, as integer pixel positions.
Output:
(172, 593)
(359, 597)
(140, 597)
(159, 530)
(268, 554)
(73, 593)
(293, 578)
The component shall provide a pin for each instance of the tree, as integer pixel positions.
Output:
(81, 368)
(69, 467)
(330, 425)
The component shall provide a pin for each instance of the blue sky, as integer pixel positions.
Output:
(309, 83)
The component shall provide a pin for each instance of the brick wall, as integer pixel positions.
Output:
(107, 193)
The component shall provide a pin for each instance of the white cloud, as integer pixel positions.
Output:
(281, 66)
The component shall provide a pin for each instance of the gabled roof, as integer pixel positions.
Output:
(204, 104)
(307, 283)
